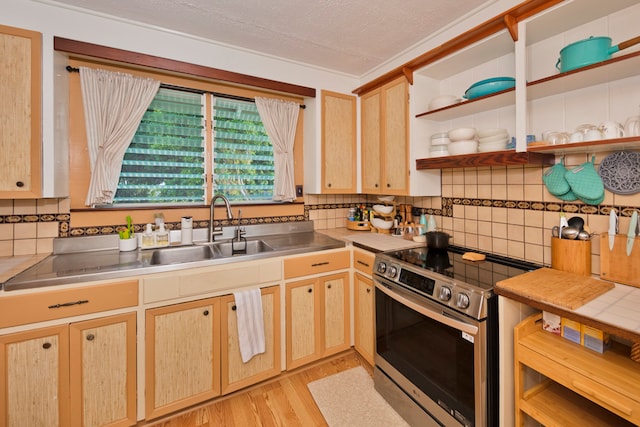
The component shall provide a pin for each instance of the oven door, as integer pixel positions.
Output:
(434, 354)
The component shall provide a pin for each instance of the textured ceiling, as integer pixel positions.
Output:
(349, 36)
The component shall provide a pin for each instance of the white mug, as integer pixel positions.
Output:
(611, 129)
(632, 126)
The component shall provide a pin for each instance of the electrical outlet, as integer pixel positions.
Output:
(298, 190)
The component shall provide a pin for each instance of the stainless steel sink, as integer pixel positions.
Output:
(237, 248)
(180, 255)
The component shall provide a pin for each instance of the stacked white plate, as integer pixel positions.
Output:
(440, 138)
(492, 140)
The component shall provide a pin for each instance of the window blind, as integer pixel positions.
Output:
(165, 160)
(243, 154)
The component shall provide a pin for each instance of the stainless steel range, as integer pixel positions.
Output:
(436, 357)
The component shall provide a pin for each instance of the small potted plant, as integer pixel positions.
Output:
(128, 240)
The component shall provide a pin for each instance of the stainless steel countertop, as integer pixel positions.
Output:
(87, 263)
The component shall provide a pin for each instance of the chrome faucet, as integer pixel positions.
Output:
(217, 231)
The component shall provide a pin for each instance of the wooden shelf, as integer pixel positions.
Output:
(583, 387)
(489, 102)
(494, 158)
(617, 144)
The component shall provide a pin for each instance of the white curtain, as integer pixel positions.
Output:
(280, 119)
(114, 104)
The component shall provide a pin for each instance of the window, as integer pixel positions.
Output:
(243, 154)
(165, 162)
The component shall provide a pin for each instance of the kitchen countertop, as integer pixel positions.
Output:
(374, 242)
(13, 265)
(614, 311)
(100, 262)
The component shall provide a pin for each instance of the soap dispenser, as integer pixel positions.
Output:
(162, 236)
(148, 239)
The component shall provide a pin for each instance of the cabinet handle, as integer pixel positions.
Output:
(68, 304)
(318, 264)
(584, 388)
(46, 345)
(368, 290)
(388, 185)
(233, 307)
(205, 313)
(90, 337)
(20, 184)
(310, 290)
(329, 185)
(376, 185)
(363, 263)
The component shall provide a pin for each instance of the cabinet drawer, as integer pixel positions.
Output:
(363, 261)
(316, 263)
(57, 304)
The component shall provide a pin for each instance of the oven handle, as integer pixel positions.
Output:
(435, 315)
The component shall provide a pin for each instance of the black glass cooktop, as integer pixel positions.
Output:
(449, 262)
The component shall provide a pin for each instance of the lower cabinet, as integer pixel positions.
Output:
(364, 317)
(317, 321)
(80, 374)
(182, 355)
(236, 374)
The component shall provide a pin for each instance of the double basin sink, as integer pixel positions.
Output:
(213, 250)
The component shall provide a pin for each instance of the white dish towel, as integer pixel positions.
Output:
(250, 323)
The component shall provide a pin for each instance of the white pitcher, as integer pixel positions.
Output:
(632, 126)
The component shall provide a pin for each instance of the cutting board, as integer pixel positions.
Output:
(561, 288)
(616, 265)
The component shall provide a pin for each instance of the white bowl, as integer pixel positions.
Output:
(483, 133)
(440, 141)
(462, 134)
(386, 198)
(381, 223)
(493, 138)
(467, 146)
(382, 209)
(443, 101)
(492, 146)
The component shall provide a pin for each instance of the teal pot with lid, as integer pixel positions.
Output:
(589, 51)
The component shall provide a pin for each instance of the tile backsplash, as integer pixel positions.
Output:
(504, 210)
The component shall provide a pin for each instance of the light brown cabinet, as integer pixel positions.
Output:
(385, 139)
(364, 328)
(339, 143)
(578, 387)
(236, 374)
(182, 355)
(317, 323)
(60, 375)
(20, 110)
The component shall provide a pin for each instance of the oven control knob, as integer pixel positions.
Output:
(462, 301)
(382, 267)
(444, 294)
(392, 271)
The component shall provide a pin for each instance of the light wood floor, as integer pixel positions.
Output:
(285, 401)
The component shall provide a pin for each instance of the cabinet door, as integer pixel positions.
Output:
(335, 319)
(363, 317)
(303, 323)
(103, 371)
(338, 143)
(20, 145)
(235, 373)
(34, 378)
(182, 360)
(371, 144)
(395, 137)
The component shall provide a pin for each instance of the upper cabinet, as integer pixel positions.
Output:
(20, 113)
(339, 167)
(387, 144)
(544, 99)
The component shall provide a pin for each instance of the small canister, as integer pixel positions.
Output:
(186, 235)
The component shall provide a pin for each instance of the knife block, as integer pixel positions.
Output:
(573, 256)
(615, 265)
